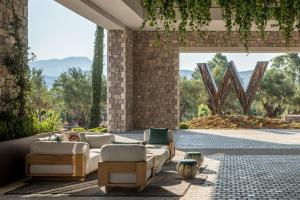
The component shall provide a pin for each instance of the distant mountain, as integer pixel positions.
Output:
(186, 73)
(52, 68)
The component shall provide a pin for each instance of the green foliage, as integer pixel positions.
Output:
(50, 121)
(39, 96)
(193, 14)
(97, 70)
(280, 86)
(240, 14)
(192, 93)
(16, 117)
(203, 111)
(183, 125)
(98, 130)
(73, 90)
(78, 129)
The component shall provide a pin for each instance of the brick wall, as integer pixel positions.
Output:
(155, 73)
(6, 13)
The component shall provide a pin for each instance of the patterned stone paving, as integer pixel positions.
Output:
(231, 139)
(257, 177)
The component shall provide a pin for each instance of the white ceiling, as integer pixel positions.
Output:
(119, 14)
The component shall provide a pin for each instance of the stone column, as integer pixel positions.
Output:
(120, 81)
(6, 14)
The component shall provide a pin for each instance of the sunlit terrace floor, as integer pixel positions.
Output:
(242, 164)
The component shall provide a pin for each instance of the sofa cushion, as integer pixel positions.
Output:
(52, 147)
(147, 136)
(158, 136)
(123, 152)
(98, 140)
(92, 162)
(160, 157)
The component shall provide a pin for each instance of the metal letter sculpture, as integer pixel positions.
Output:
(217, 95)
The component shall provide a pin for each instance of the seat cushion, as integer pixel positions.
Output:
(92, 162)
(160, 157)
(159, 146)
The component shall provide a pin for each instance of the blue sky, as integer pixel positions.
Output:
(56, 32)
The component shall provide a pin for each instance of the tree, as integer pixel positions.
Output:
(192, 94)
(276, 92)
(74, 89)
(39, 95)
(97, 69)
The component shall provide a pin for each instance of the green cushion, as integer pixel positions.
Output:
(158, 136)
(115, 142)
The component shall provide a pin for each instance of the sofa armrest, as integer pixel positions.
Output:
(98, 140)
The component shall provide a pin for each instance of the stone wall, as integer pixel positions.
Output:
(120, 81)
(155, 86)
(6, 14)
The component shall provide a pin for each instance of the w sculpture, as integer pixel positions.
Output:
(217, 95)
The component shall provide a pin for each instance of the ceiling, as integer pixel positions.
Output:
(119, 14)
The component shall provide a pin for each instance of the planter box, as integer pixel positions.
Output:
(12, 157)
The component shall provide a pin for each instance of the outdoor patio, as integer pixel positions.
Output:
(251, 164)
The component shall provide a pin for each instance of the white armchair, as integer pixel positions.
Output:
(125, 165)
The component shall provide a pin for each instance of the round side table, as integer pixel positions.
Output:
(196, 156)
(187, 168)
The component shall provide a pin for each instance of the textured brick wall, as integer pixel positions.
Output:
(152, 83)
(120, 81)
(6, 13)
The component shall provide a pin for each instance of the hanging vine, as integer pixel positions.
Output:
(194, 15)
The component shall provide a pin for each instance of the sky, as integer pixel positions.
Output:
(55, 32)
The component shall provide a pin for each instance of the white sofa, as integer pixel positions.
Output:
(66, 159)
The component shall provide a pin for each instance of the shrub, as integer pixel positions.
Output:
(183, 125)
(98, 130)
(50, 122)
(13, 127)
(78, 129)
(203, 111)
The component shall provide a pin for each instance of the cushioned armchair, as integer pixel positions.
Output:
(125, 165)
(169, 146)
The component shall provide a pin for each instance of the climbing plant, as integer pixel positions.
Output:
(194, 15)
(16, 116)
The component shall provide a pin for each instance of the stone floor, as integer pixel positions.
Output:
(242, 164)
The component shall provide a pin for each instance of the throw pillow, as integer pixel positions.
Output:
(158, 136)
(115, 142)
(72, 136)
(55, 137)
